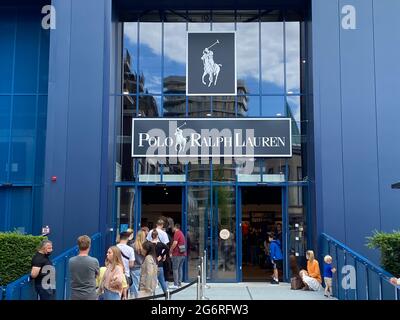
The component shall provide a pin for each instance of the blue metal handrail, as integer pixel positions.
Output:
(371, 281)
(23, 288)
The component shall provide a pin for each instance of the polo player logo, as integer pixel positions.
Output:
(180, 139)
(211, 68)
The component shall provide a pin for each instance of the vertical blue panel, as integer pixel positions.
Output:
(21, 210)
(57, 114)
(7, 37)
(75, 118)
(40, 139)
(327, 119)
(5, 114)
(387, 53)
(27, 50)
(44, 61)
(3, 209)
(37, 210)
(23, 139)
(359, 128)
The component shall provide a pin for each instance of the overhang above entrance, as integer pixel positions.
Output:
(129, 5)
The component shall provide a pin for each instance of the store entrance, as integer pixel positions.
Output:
(261, 213)
(162, 203)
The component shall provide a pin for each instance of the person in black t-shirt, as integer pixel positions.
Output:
(43, 272)
(162, 251)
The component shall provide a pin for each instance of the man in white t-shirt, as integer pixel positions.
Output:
(128, 257)
(162, 235)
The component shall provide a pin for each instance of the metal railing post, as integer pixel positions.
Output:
(202, 279)
(205, 286)
(198, 287)
(167, 295)
(380, 287)
(346, 291)
(366, 283)
(199, 284)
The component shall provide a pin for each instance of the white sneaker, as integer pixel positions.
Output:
(174, 287)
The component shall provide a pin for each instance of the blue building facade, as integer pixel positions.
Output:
(67, 96)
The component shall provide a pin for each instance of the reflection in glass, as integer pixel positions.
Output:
(247, 50)
(198, 222)
(224, 169)
(174, 52)
(149, 106)
(206, 26)
(150, 55)
(273, 106)
(174, 106)
(200, 171)
(297, 211)
(199, 106)
(292, 57)
(273, 169)
(223, 26)
(149, 170)
(224, 106)
(272, 57)
(248, 106)
(130, 59)
(125, 208)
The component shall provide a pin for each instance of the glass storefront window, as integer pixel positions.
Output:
(125, 208)
(292, 57)
(174, 77)
(272, 58)
(223, 251)
(273, 169)
(273, 106)
(198, 224)
(150, 49)
(174, 106)
(199, 172)
(297, 211)
(199, 106)
(224, 170)
(248, 56)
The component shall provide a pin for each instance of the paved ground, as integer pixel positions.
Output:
(250, 291)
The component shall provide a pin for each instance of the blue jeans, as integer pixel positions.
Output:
(135, 276)
(44, 294)
(177, 269)
(110, 295)
(161, 279)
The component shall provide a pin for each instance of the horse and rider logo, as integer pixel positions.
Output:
(211, 64)
(211, 68)
(180, 140)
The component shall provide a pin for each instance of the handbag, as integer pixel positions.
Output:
(182, 248)
(296, 283)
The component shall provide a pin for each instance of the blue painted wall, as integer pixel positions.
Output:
(77, 142)
(24, 50)
(355, 116)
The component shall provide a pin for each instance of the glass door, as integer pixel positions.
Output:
(223, 234)
(212, 228)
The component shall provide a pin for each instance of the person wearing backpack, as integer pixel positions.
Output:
(128, 258)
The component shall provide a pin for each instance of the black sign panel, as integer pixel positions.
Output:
(211, 63)
(213, 137)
